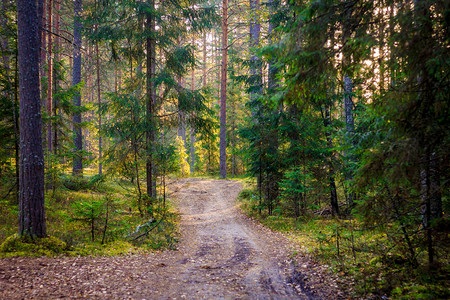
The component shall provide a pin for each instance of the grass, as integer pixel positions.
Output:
(91, 217)
(368, 262)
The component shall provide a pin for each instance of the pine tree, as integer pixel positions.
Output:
(76, 80)
(223, 92)
(32, 210)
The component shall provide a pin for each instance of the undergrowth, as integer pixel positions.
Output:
(368, 262)
(92, 216)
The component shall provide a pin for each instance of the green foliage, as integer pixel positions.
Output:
(77, 183)
(182, 158)
(293, 187)
(89, 213)
(245, 194)
(366, 260)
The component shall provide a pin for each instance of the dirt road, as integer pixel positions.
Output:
(221, 255)
(226, 255)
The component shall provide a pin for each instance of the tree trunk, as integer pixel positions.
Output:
(204, 61)
(192, 150)
(99, 99)
(42, 35)
(223, 93)
(255, 62)
(31, 205)
(272, 81)
(150, 135)
(49, 76)
(55, 80)
(76, 79)
(348, 101)
(217, 56)
(331, 180)
(255, 65)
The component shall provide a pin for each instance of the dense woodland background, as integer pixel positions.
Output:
(336, 112)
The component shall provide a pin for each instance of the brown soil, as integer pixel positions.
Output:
(221, 255)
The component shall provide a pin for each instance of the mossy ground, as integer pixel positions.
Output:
(367, 263)
(72, 232)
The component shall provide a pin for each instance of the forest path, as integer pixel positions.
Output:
(222, 254)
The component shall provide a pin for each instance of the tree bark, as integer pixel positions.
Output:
(272, 82)
(223, 93)
(204, 61)
(255, 66)
(255, 62)
(99, 101)
(331, 173)
(49, 78)
(76, 79)
(55, 80)
(31, 204)
(348, 100)
(192, 150)
(41, 16)
(151, 95)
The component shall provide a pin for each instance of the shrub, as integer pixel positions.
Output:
(75, 183)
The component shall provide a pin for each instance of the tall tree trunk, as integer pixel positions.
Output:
(99, 99)
(55, 80)
(192, 150)
(223, 93)
(331, 173)
(255, 62)
(272, 81)
(76, 79)
(217, 56)
(181, 131)
(42, 36)
(255, 66)
(348, 99)
(150, 135)
(16, 126)
(49, 77)
(31, 204)
(204, 61)
(430, 175)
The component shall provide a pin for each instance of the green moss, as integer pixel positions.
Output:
(111, 249)
(25, 246)
(420, 291)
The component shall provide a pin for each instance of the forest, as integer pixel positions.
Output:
(334, 116)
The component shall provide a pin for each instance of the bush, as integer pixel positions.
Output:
(245, 194)
(75, 183)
